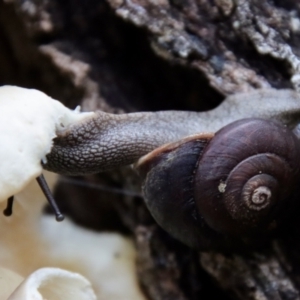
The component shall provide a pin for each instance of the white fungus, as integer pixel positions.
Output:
(9, 280)
(29, 120)
(54, 284)
(30, 242)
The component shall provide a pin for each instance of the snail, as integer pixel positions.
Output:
(190, 183)
(237, 182)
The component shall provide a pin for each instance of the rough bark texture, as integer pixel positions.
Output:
(130, 55)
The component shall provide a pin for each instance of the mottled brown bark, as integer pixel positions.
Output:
(136, 55)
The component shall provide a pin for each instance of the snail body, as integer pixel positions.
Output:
(208, 187)
(238, 182)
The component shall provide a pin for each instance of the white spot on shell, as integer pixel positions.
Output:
(222, 187)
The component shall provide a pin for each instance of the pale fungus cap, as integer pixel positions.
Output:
(30, 242)
(106, 259)
(9, 280)
(32, 118)
(54, 284)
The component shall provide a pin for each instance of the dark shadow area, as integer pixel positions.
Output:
(130, 74)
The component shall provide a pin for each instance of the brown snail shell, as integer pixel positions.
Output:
(240, 181)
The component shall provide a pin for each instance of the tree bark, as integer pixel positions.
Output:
(133, 55)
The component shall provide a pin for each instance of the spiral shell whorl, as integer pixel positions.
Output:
(212, 190)
(256, 195)
(253, 187)
(244, 175)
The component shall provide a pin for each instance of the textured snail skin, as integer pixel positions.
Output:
(239, 182)
(106, 141)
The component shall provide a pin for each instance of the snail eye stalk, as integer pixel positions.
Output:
(45, 188)
(9, 207)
